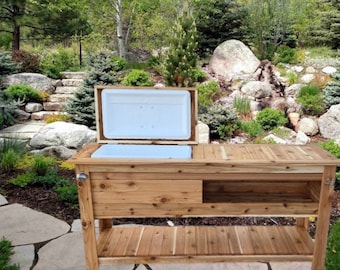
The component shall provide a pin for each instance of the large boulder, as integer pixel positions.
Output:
(35, 80)
(232, 59)
(257, 89)
(62, 133)
(307, 125)
(329, 123)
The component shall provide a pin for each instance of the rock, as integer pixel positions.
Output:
(279, 103)
(297, 69)
(232, 58)
(294, 118)
(60, 97)
(73, 75)
(33, 107)
(203, 133)
(257, 89)
(329, 70)
(329, 123)
(293, 90)
(307, 78)
(276, 139)
(72, 82)
(53, 106)
(308, 126)
(21, 115)
(302, 138)
(292, 105)
(37, 81)
(66, 89)
(60, 152)
(62, 133)
(310, 70)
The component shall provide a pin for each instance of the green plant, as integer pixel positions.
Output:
(271, 118)
(207, 91)
(9, 160)
(7, 66)
(198, 75)
(48, 180)
(14, 144)
(23, 180)
(67, 191)
(57, 117)
(221, 120)
(6, 251)
(137, 77)
(332, 91)
(42, 163)
(311, 100)
(285, 54)
(23, 93)
(252, 128)
(333, 247)
(331, 146)
(27, 61)
(242, 106)
(292, 77)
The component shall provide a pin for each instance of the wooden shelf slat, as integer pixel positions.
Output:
(158, 241)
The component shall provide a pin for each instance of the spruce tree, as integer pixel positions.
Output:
(103, 70)
(332, 91)
(181, 59)
(7, 66)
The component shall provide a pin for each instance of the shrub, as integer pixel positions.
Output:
(311, 100)
(242, 106)
(252, 128)
(9, 160)
(270, 118)
(8, 109)
(331, 146)
(58, 60)
(27, 61)
(285, 54)
(137, 77)
(332, 91)
(7, 66)
(6, 251)
(66, 190)
(222, 121)
(23, 93)
(56, 118)
(23, 180)
(198, 75)
(206, 92)
(41, 164)
(333, 247)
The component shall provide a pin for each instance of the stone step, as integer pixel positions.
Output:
(59, 97)
(66, 89)
(53, 106)
(72, 82)
(73, 75)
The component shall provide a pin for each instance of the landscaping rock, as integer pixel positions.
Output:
(293, 90)
(307, 78)
(21, 115)
(62, 133)
(329, 123)
(257, 89)
(37, 81)
(33, 107)
(301, 138)
(232, 58)
(307, 125)
(60, 152)
(329, 70)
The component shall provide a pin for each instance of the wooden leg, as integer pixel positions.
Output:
(302, 222)
(104, 224)
(322, 227)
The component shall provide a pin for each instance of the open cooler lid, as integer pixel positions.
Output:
(141, 115)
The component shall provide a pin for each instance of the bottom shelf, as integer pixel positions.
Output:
(156, 242)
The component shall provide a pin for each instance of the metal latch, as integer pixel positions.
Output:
(82, 176)
(330, 182)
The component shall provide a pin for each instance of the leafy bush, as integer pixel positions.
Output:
(59, 60)
(23, 180)
(198, 75)
(67, 191)
(23, 93)
(6, 251)
(253, 128)
(27, 61)
(332, 91)
(311, 100)
(333, 247)
(206, 92)
(331, 146)
(222, 121)
(137, 77)
(285, 54)
(271, 118)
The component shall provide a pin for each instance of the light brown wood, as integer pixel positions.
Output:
(220, 180)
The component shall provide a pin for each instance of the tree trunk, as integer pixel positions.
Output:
(16, 38)
(120, 37)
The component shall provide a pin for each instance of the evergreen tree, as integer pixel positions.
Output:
(218, 21)
(7, 66)
(103, 70)
(182, 58)
(332, 91)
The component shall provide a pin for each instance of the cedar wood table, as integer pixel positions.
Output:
(219, 180)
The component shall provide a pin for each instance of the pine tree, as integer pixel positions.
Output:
(182, 58)
(7, 66)
(332, 91)
(103, 70)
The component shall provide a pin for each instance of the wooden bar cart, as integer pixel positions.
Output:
(215, 180)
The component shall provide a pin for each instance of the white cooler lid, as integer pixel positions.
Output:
(146, 114)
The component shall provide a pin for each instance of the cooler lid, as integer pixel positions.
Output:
(145, 114)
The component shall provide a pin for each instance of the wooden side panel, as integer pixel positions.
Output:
(146, 191)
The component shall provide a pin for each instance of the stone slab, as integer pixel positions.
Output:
(22, 131)
(291, 265)
(67, 253)
(23, 256)
(22, 225)
(3, 200)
